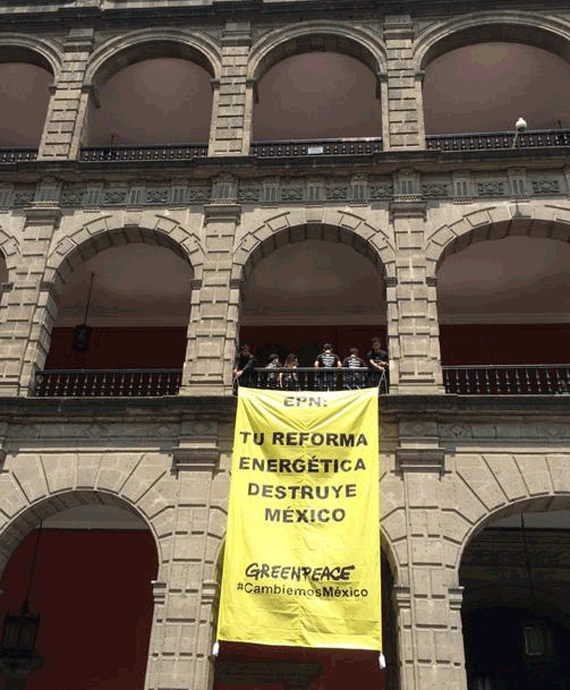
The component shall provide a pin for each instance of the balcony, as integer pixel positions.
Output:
(488, 141)
(109, 383)
(107, 154)
(501, 379)
(313, 379)
(18, 155)
(316, 147)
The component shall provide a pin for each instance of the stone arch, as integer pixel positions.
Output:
(296, 226)
(43, 53)
(106, 232)
(120, 52)
(537, 503)
(32, 510)
(495, 223)
(549, 34)
(516, 595)
(316, 36)
(10, 251)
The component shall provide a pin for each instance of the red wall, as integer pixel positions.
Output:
(460, 344)
(120, 348)
(505, 344)
(92, 589)
(164, 348)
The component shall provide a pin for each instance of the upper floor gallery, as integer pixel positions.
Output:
(282, 85)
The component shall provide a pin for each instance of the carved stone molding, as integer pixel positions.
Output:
(222, 212)
(455, 598)
(195, 458)
(40, 214)
(159, 591)
(210, 591)
(402, 597)
(420, 459)
(408, 207)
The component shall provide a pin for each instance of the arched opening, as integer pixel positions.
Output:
(135, 298)
(481, 79)
(312, 668)
(517, 583)
(162, 100)
(308, 286)
(88, 574)
(317, 95)
(503, 304)
(25, 77)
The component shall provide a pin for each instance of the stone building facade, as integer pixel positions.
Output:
(453, 461)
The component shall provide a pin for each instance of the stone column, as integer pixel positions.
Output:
(413, 328)
(213, 328)
(66, 111)
(429, 600)
(404, 105)
(181, 638)
(230, 132)
(30, 306)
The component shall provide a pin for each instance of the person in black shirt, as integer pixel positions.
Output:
(377, 361)
(327, 360)
(243, 367)
(353, 379)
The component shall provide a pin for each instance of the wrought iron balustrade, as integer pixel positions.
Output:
(486, 141)
(19, 154)
(316, 147)
(167, 152)
(313, 379)
(107, 383)
(501, 379)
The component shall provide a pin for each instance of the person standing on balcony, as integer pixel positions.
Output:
(378, 363)
(353, 379)
(243, 367)
(289, 380)
(327, 360)
(272, 377)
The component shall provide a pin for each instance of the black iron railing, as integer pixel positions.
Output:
(107, 383)
(500, 379)
(313, 379)
(485, 141)
(181, 152)
(16, 155)
(316, 147)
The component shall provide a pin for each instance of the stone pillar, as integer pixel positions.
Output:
(413, 328)
(230, 132)
(429, 600)
(404, 105)
(29, 306)
(66, 111)
(181, 637)
(213, 328)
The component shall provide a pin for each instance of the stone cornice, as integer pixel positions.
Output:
(552, 413)
(138, 15)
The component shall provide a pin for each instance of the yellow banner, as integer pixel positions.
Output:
(302, 556)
